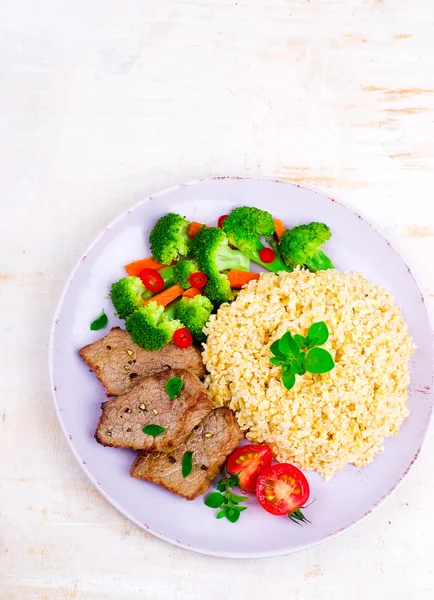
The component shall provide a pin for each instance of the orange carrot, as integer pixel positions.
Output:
(239, 278)
(280, 228)
(135, 267)
(191, 293)
(193, 229)
(167, 296)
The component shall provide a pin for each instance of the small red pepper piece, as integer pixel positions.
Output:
(198, 280)
(182, 338)
(267, 255)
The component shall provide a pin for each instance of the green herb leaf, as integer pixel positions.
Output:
(214, 500)
(301, 341)
(236, 499)
(288, 346)
(274, 360)
(221, 514)
(319, 361)
(187, 464)
(296, 367)
(100, 322)
(153, 430)
(274, 349)
(288, 380)
(232, 515)
(318, 334)
(174, 387)
(298, 517)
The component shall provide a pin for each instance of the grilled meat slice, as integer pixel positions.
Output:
(123, 418)
(210, 442)
(120, 364)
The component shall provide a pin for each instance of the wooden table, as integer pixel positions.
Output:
(103, 102)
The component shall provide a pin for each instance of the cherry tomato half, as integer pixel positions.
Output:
(182, 338)
(248, 462)
(267, 255)
(221, 219)
(281, 489)
(198, 280)
(152, 280)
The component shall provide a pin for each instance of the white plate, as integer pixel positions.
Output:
(352, 494)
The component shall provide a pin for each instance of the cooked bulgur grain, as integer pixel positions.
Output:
(325, 421)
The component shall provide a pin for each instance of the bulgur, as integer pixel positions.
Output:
(325, 421)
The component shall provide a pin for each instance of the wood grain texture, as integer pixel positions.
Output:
(102, 103)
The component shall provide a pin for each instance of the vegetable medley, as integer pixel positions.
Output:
(195, 268)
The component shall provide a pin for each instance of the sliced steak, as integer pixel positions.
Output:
(120, 364)
(210, 442)
(148, 403)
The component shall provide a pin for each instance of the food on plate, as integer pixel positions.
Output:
(169, 239)
(247, 462)
(230, 505)
(283, 490)
(213, 257)
(298, 354)
(245, 227)
(120, 364)
(194, 314)
(210, 442)
(301, 246)
(151, 327)
(126, 421)
(239, 278)
(328, 420)
(100, 322)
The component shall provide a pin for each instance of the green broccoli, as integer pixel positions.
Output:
(128, 295)
(182, 271)
(213, 255)
(302, 246)
(169, 238)
(194, 314)
(244, 227)
(218, 290)
(150, 327)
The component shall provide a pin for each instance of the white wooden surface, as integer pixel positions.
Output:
(105, 101)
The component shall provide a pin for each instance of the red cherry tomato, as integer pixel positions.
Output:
(267, 255)
(182, 338)
(281, 489)
(221, 220)
(248, 462)
(198, 280)
(152, 280)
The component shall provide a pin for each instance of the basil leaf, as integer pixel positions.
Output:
(296, 367)
(153, 430)
(318, 334)
(301, 341)
(221, 486)
(236, 499)
(274, 349)
(100, 322)
(319, 361)
(221, 514)
(187, 464)
(274, 360)
(288, 346)
(232, 515)
(214, 500)
(174, 387)
(288, 380)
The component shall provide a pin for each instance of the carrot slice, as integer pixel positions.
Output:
(193, 229)
(167, 296)
(239, 278)
(191, 293)
(134, 268)
(280, 228)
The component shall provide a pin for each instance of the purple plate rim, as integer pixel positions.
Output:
(88, 473)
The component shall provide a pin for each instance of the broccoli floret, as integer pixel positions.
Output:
(150, 327)
(244, 227)
(213, 255)
(218, 290)
(169, 238)
(302, 246)
(128, 295)
(182, 271)
(194, 314)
